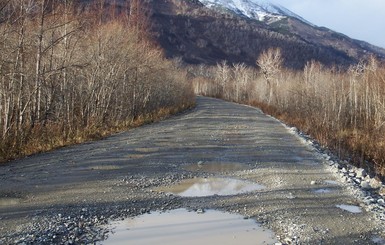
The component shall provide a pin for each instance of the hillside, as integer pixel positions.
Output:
(199, 34)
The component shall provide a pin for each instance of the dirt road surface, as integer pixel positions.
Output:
(66, 196)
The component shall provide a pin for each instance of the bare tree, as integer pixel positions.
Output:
(65, 77)
(270, 63)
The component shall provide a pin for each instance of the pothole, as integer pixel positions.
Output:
(350, 208)
(183, 227)
(323, 190)
(216, 167)
(98, 167)
(331, 182)
(200, 187)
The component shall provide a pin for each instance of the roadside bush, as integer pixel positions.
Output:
(70, 74)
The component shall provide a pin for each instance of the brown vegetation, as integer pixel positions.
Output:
(69, 74)
(343, 109)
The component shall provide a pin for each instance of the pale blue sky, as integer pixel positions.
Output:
(359, 19)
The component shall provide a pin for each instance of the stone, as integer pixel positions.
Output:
(313, 182)
(352, 175)
(381, 202)
(361, 173)
(382, 191)
(367, 201)
(288, 240)
(365, 185)
(375, 184)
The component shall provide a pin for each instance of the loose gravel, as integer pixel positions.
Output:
(69, 196)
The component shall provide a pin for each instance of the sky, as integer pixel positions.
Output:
(359, 19)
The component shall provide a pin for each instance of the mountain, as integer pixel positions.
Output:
(210, 31)
(286, 20)
(261, 10)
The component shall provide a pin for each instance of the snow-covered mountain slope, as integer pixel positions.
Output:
(262, 10)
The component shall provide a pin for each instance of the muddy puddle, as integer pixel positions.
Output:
(217, 167)
(190, 228)
(350, 208)
(200, 187)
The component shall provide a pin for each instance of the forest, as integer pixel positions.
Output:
(71, 73)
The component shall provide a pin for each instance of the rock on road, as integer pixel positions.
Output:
(64, 196)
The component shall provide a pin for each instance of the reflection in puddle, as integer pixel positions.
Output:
(190, 228)
(378, 240)
(350, 208)
(8, 201)
(212, 186)
(323, 190)
(217, 167)
(331, 182)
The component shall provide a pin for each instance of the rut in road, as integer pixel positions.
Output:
(301, 200)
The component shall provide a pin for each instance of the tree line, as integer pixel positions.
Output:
(344, 109)
(70, 72)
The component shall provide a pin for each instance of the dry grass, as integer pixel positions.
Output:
(343, 109)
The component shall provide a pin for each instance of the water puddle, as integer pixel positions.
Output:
(350, 208)
(378, 240)
(217, 167)
(200, 187)
(189, 228)
(323, 190)
(99, 167)
(331, 182)
(9, 201)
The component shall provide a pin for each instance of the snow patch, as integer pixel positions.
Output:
(261, 10)
(350, 208)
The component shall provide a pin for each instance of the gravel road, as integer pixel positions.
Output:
(68, 195)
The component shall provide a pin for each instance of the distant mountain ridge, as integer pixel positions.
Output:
(268, 12)
(210, 31)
